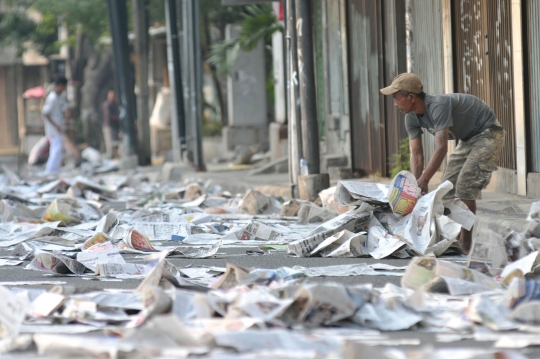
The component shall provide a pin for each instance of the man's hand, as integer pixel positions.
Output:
(423, 184)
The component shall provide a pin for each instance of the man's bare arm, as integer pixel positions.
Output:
(441, 142)
(417, 157)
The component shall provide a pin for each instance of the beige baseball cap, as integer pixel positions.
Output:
(406, 81)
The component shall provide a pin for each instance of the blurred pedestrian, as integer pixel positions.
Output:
(111, 125)
(53, 114)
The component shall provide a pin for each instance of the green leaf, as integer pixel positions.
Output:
(258, 22)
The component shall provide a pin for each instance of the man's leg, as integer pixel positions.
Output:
(108, 141)
(115, 142)
(454, 166)
(54, 164)
(476, 174)
(465, 237)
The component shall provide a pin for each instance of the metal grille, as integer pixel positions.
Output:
(395, 62)
(428, 56)
(319, 66)
(5, 140)
(367, 106)
(483, 67)
(533, 27)
(469, 48)
(499, 32)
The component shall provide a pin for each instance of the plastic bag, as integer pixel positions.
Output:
(403, 193)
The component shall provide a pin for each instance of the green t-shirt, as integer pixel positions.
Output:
(464, 115)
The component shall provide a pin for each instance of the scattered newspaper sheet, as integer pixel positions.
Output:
(460, 280)
(460, 213)
(534, 212)
(91, 259)
(342, 244)
(310, 213)
(418, 233)
(353, 221)
(353, 193)
(119, 270)
(56, 264)
(379, 243)
(528, 266)
(488, 252)
(198, 252)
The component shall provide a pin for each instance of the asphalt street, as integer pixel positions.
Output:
(236, 182)
(237, 255)
(234, 255)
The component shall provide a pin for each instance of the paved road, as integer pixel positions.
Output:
(237, 255)
(238, 182)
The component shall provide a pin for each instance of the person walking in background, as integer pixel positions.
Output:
(111, 125)
(53, 115)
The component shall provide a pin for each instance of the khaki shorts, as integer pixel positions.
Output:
(470, 166)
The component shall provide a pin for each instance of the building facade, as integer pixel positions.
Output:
(482, 47)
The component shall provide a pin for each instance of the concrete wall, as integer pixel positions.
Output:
(212, 149)
(246, 86)
(504, 180)
(533, 185)
(337, 137)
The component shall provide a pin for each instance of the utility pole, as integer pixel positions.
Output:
(310, 185)
(198, 87)
(308, 93)
(293, 106)
(124, 81)
(140, 15)
(193, 80)
(178, 117)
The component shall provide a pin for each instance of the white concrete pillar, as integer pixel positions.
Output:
(519, 98)
(279, 77)
(446, 7)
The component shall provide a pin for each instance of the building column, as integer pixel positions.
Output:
(448, 57)
(519, 98)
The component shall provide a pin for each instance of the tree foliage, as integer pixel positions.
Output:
(18, 29)
(86, 17)
(20, 25)
(256, 22)
(401, 161)
(89, 16)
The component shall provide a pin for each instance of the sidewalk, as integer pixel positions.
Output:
(498, 211)
(493, 203)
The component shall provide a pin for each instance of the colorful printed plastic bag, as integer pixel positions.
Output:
(403, 193)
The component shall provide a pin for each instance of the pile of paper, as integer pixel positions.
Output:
(424, 229)
(230, 310)
(126, 228)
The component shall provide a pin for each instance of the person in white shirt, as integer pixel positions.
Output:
(53, 115)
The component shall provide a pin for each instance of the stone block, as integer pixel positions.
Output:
(533, 185)
(173, 171)
(505, 180)
(279, 146)
(311, 185)
(129, 162)
(340, 173)
(278, 166)
(246, 87)
(334, 160)
(234, 136)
